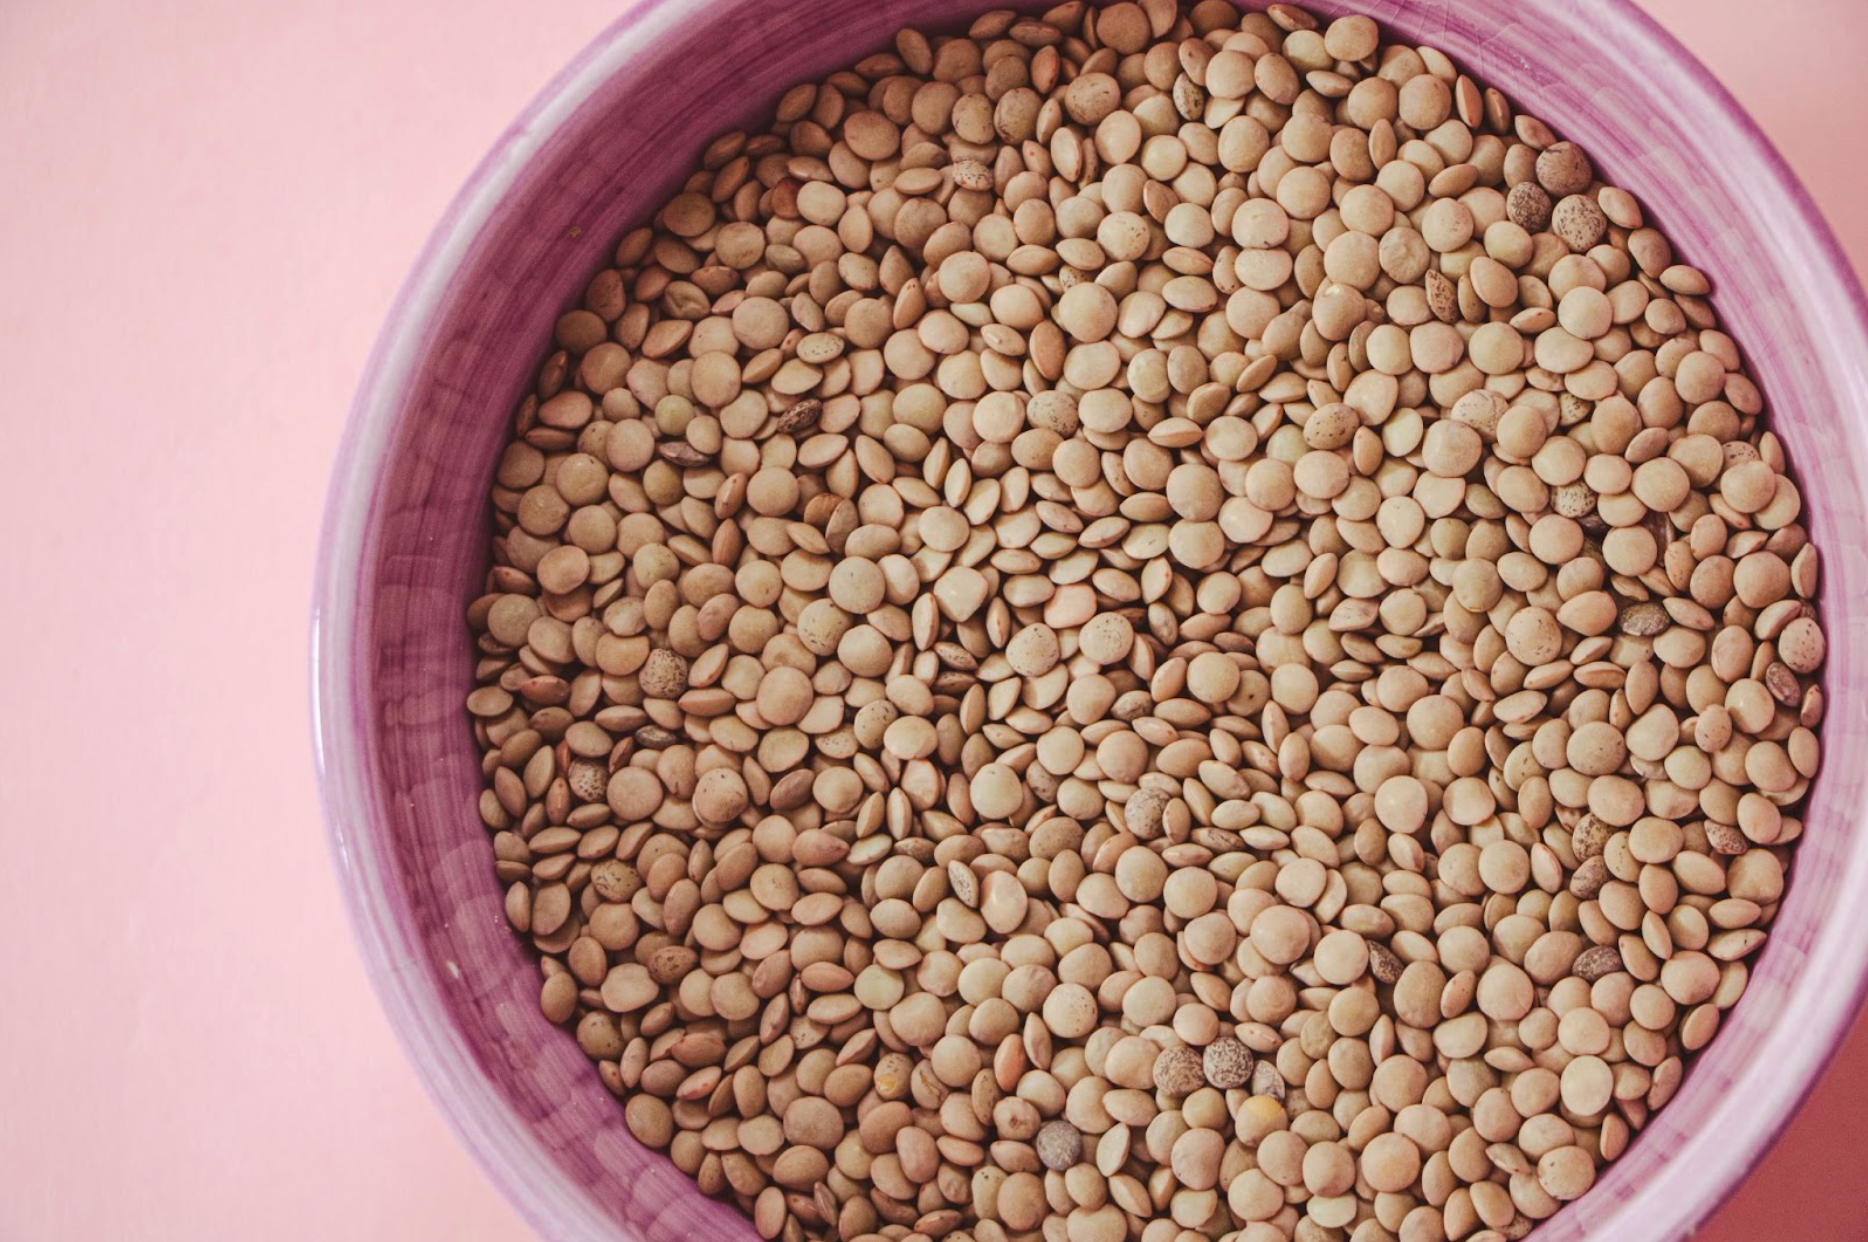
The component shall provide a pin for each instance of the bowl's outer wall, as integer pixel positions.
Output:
(406, 536)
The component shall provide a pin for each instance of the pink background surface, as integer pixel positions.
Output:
(205, 211)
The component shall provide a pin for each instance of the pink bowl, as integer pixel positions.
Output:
(405, 533)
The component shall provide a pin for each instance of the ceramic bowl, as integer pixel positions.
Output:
(405, 547)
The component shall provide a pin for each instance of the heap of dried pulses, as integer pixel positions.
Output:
(1145, 623)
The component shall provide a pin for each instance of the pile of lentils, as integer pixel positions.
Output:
(1145, 623)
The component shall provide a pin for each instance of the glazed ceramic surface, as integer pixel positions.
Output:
(405, 548)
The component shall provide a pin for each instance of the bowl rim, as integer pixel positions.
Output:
(1656, 1211)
